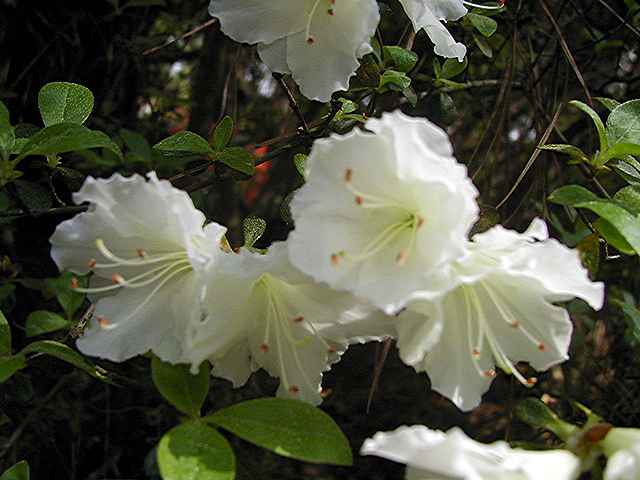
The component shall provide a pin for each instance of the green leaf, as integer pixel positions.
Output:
(485, 25)
(5, 336)
(10, 365)
(597, 121)
(184, 143)
(572, 151)
(629, 198)
(571, 195)
(619, 150)
(452, 68)
(589, 249)
(66, 137)
(613, 236)
(69, 299)
(608, 103)
(290, 428)
(401, 59)
(136, 144)
(42, 321)
(300, 161)
(253, 228)
(537, 414)
(238, 159)
(61, 102)
(20, 471)
(624, 222)
(394, 80)
(222, 134)
(5, 118)
(7, 141)
(623, 124)
(179, 386)
(483, 45)
(33, 195)
(627, 170)
(195, 451)
(65, 353)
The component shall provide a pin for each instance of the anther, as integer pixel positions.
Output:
(515, 324)
(74, 283)
(325, 392)
(489, 373)
(331, 12)
(348, 175)
(141, 253)
(401, 258)
(531, 381)
(117, 279)
(475, 352)
(335, 259)
(294, 390)
(92, 263)
(420, 222)
(298, 319)
(331, 349)
(542, 347)
(103, 322)
(359, 200)
(264, 348)
(311, 40)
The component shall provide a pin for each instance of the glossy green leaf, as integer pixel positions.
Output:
(485, 25)
(572, 151)
(629, 198)
(452, 68)
(7, 141)
(10, 365)
(61, 102)
(66, 354)
(195, 451)
(570, 195)
(483, 45)
(222, 133)
(624, 222)
(394, 80)
(5, 118)
(66, 137)
(20, 471)
(179, 386)
(623, 124)
(5, 336)
(401, 59)
(184, 143)
(136, 144)
(537, 414)
(290, 428)
(608, 103)
(612, 236)
(589, 249)
(597, 121)
(626, 170)
(619, 150)
(42, 321)
(253, 228)
(237, 158)
(300, 162)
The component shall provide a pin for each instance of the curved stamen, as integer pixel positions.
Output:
(473, 351)
(139, 261)
(483, 7)
(307, 32)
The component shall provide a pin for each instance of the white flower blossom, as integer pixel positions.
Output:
(435, 455)
(622, 447)
(263, 313)
(499, 310)
(430, 15)
(318, 42)
(144, 241)
(382, 210)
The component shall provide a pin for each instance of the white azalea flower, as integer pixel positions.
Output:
(317, 41)
(435, 455)
(622, 446)
(382, 210)
(145, 242)
(430, 15)
(263, 313)
(499, 311)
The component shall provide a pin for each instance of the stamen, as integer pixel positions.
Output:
(359, 200)
(485, 7)
(74, 283)
(294, 390)
(325, 392)
(298, 319)
(117, 279)
(136, 262)
(264, 348)
(401, 258)
(348, 175)
(491, 373)
(92, 263)
(141, 253)
(531, 381)
(309, 37)
(542, 347)
(335, 259)
(103, 322)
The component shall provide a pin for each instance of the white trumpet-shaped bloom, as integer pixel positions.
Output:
(622, 447)
(382, 210)
(499, 310)
(318, 42)
(145, 243)
(436, 455)
(263, 313)
(430, 15)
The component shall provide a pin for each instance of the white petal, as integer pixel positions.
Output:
(136, 321)
(624, 465)
(257, 21)
(235, 365)
(325, 64)
(274, 55)
(447, 9)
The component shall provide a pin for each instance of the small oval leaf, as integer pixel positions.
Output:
(222, 134)
(179, 386)
(64, 102)
(42, 321)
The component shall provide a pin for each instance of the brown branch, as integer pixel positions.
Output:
(293, 104)
(190, 33)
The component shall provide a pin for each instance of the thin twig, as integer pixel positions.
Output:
(190, 33)
(292, 103)
(381, 357)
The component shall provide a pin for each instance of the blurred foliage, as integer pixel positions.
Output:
(150, 83)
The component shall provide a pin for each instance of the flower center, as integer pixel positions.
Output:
(285, 329)
(472, 302)
(407, 222)
(157, 269)
(314, 9)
